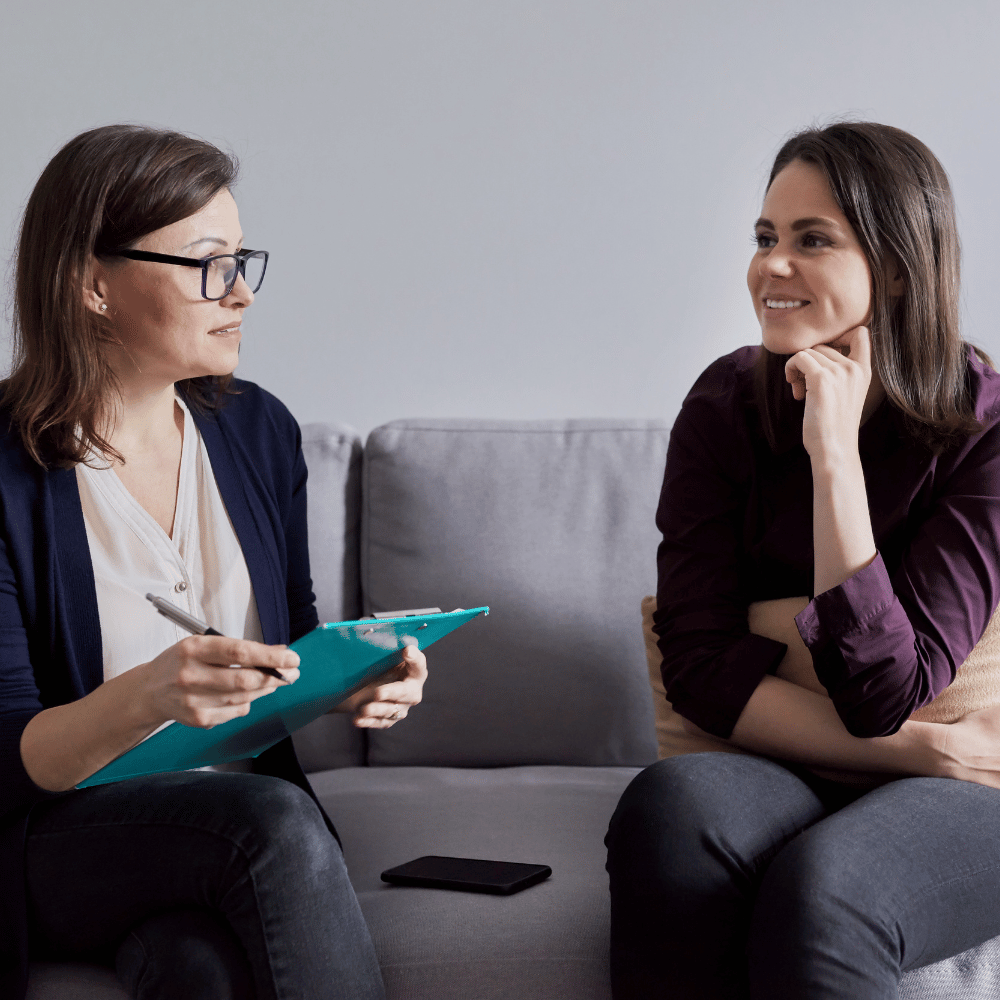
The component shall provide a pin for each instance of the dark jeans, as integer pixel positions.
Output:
(199, 885)
(733, 877)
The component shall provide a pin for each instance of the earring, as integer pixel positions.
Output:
(104, 307)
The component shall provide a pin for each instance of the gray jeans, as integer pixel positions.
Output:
(733, 877)
(199, 885)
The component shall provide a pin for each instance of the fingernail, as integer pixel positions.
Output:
(291, 659)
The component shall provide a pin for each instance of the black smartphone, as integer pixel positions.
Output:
(468, 874)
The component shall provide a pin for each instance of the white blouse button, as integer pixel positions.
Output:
(180, 587)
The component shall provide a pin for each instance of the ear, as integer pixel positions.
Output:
(95, 288)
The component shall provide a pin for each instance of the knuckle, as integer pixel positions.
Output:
(245, 680)
(186, 675)
(190, 646)
(241, 651)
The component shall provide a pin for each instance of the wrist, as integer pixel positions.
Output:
(832, 465)
(130, 698)
(922, 749)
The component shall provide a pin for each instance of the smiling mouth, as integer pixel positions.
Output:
(785, 303)
(228, 329)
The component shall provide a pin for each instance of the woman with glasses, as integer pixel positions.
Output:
(133, 462)
(845, 471)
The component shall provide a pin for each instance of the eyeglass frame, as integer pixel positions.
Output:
(164, 258)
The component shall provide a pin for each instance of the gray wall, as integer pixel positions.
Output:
(505, 208)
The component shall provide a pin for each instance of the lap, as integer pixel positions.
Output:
(98, 860)
(681, 805)
(920, 856)
(226, 801)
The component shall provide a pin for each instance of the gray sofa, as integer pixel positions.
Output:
(534, 718)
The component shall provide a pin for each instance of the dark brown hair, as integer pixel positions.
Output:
(104, 190)
(896, 196)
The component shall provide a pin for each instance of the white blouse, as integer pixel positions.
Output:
(201, 568)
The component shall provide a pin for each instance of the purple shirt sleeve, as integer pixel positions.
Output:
(711, 661)
(885, 645)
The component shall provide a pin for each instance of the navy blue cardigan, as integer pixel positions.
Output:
(50, 634)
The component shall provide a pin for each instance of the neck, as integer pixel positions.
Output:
(142, 419)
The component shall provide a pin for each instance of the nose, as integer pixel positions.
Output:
(776, 263)
(240, 293)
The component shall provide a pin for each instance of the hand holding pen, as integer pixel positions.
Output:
(185, 683)
(196, 627)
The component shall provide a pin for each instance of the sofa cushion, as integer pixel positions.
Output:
(551, 524)
(549, 941)
(333, 458)
(972, 975)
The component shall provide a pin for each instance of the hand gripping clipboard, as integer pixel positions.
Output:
(336, 660)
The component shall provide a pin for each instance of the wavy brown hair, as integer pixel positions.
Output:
(896, 196)
(104, 190)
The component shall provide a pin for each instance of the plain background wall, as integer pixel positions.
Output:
(505, 208)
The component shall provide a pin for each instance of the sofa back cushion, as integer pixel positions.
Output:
(551, 524)
(333, 457)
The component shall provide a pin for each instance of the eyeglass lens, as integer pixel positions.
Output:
(220, 275)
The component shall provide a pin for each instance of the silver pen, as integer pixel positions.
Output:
(197, 627)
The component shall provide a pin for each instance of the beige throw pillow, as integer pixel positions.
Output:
(976, 685)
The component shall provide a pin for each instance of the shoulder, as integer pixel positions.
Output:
(977, 454)
(17, 467)
(714, 417)
(728, 376)
(984, 389)
(253, 413)
(724, 388)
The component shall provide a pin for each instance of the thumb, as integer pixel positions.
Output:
(858, 345)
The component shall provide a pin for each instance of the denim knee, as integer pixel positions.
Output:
(692, 820)
(659, 831)
(279, 838)
(273, 811)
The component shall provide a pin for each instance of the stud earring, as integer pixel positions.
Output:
(104, 307)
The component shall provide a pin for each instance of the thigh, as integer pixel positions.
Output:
(687, 814)
(687, 848)
(907, 875)
(252, 848)
(99, 860)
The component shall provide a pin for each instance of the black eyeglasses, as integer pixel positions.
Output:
(218, 273)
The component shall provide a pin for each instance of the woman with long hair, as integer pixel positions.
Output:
(133, 462)
(815, 838)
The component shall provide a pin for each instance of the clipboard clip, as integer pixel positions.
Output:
(414, 613)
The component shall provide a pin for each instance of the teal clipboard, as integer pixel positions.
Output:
(336, 660)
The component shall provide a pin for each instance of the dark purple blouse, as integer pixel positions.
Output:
(737, 527)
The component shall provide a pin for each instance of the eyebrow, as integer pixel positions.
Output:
(210, 239)
(798, 224)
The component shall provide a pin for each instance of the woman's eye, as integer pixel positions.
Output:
(763, 240)
(812, 241)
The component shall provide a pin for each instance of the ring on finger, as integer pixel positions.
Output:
(395, 715)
